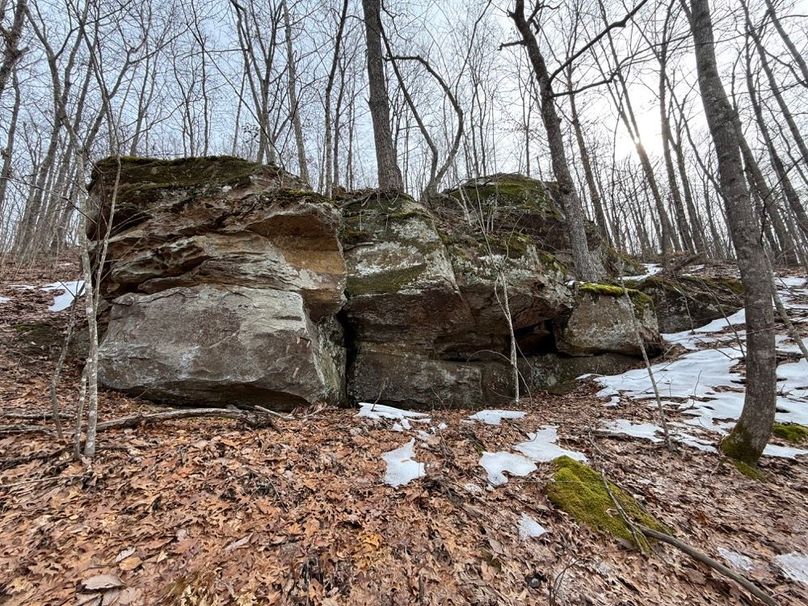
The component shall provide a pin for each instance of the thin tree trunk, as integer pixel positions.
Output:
(297, 125)
(594, 194)
(753, 429)
(585, 268)
(389, 174)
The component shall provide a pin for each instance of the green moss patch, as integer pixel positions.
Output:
(580, 491)
(383, 282)
(510, 190)
(737, 446)
(791, 432)
(748, 470)
(640, 300)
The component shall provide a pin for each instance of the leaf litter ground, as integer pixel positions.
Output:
(208, 511)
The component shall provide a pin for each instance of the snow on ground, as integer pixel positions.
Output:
(703, 384)
(382, 411)
(542, 446)
(4, 299)
(402, 468)
(651, 269)
(495, 417)
(70, 290)
(794, 566)
(645, 431)
(737, 560)
(529, 528)
(496, 463)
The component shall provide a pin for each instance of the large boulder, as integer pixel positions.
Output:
(215, 343)
(224, 278)
(609, 319)
(687, 302)
(431, 301)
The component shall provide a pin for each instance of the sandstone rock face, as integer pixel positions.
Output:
(686, 302)
(217, 343)
(224, 283)
(605, 320)
(426, 304)
(233, 283)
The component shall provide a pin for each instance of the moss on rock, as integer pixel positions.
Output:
(640, 300)
(791, 432)
(581, 491)
(511, 190)
(389, 281)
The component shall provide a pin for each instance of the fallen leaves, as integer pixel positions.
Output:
(300, 515)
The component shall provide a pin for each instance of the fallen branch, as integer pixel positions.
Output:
(138, 419)
(694, 553)
(7, 429)
(257, 418)
(32, 415)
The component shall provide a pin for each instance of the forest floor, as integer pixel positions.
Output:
(210, 511)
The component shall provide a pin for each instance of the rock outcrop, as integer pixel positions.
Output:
(686, 302)
(234, 283)
(609, 319)
(224, 278)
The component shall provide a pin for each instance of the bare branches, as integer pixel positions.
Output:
(620, 23)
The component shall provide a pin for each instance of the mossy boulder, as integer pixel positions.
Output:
(425, 293)
(142, 185)
(687, 302)
(515, 203)
(608, 318)
(582, 492)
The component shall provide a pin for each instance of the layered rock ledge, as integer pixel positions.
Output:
(234, 283)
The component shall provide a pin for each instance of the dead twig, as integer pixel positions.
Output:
(694, 553)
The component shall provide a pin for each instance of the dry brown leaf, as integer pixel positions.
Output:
(102, 582)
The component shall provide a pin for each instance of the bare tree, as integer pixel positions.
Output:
(585, 267)
(390, 178)
(753, 429)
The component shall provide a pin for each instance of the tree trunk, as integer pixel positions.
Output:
(297, 125)
(753, 429)
(585, 268)
(390, 178)
(594, 194)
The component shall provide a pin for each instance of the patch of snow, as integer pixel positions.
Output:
(495, 417)
(530, 528)
(737, 560)
(650, 268)
(783, 452)
(694, 442)
(4, 299)
(402, 468)
(70, 290)
(472, 488)
(496, 463)
(543, 446)
(382, 411)
(794, 566)
(792, 281)
(646, 431)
